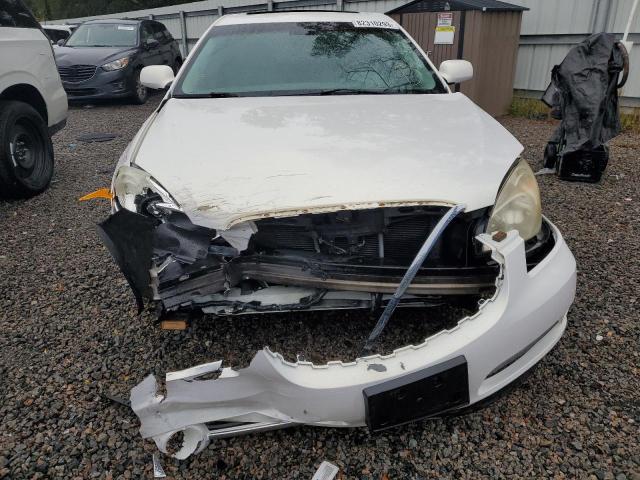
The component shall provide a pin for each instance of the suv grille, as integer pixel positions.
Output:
(77, 73)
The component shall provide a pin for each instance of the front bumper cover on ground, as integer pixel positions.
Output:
(509, 334)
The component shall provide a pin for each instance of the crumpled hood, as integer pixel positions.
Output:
(68, 56)
(229, 160)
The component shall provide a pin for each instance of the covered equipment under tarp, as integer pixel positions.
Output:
(584, 94)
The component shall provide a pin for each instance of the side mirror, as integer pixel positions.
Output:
(151, 43)
(60, 43)
(157, 77)
(456, 71)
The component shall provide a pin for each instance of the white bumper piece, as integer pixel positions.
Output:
(509, 334)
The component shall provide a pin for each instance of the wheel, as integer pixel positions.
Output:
(625, 64)
(177, 65)
(26, 151)
(140, 92)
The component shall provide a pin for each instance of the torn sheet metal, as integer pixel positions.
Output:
(181, 265)
(272, 392)
(135, 241)
(239, 235)
(181, 239)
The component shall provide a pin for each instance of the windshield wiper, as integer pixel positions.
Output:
(346, 91)
(221, 95)
(205, 95)
(403, 88)
(356, 91)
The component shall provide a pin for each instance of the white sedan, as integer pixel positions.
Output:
(318, 161)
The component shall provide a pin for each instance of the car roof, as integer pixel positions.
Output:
(66, 28)
(113, 20)
(300, 16)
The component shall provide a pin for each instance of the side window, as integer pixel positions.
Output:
(167, 34)
(13, 13)
(146, 33)
(158, 33)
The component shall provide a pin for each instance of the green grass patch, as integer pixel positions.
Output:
(529, 108)
(630, 121)
(537, 110)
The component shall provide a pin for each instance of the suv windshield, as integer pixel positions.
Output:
(104, 35)
(312, 58)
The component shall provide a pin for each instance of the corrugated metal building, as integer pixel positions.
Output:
(549, 29)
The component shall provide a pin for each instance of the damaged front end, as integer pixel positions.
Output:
(450, 370)
(337, 260)
(344, 257)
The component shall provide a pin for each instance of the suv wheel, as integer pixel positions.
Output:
(140, 92)
(26, 152)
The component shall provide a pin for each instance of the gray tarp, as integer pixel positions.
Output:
(584, 90)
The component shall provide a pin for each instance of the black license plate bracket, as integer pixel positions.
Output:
(418, 395)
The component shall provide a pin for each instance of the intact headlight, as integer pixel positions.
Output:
(518, 204)
(131, 185)
(116, 64)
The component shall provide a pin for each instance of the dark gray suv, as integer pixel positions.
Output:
(103, 58)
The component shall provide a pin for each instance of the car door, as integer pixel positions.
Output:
(151, 52)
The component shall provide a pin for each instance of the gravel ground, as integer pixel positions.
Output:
(70, 333)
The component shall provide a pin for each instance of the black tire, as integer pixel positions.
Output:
(140, 93)
(177, 65)
(26, 151)
(625, 65)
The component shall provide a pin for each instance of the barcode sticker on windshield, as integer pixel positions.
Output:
(374, 24)
(126, 27)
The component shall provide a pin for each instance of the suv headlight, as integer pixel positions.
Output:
(134, 187)
(518, 204)
(116, 64)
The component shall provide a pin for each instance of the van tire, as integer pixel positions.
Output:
(26, 151)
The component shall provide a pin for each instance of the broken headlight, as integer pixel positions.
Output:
(137, 191)
(518, 204)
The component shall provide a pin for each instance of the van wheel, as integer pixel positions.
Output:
(140, 92)
(26, 151)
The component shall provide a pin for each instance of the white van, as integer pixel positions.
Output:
(33, 104)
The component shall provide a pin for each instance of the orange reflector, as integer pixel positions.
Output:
(101, 193)
(173, 325)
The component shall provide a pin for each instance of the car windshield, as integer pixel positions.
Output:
(312, 58)
(104, 35)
